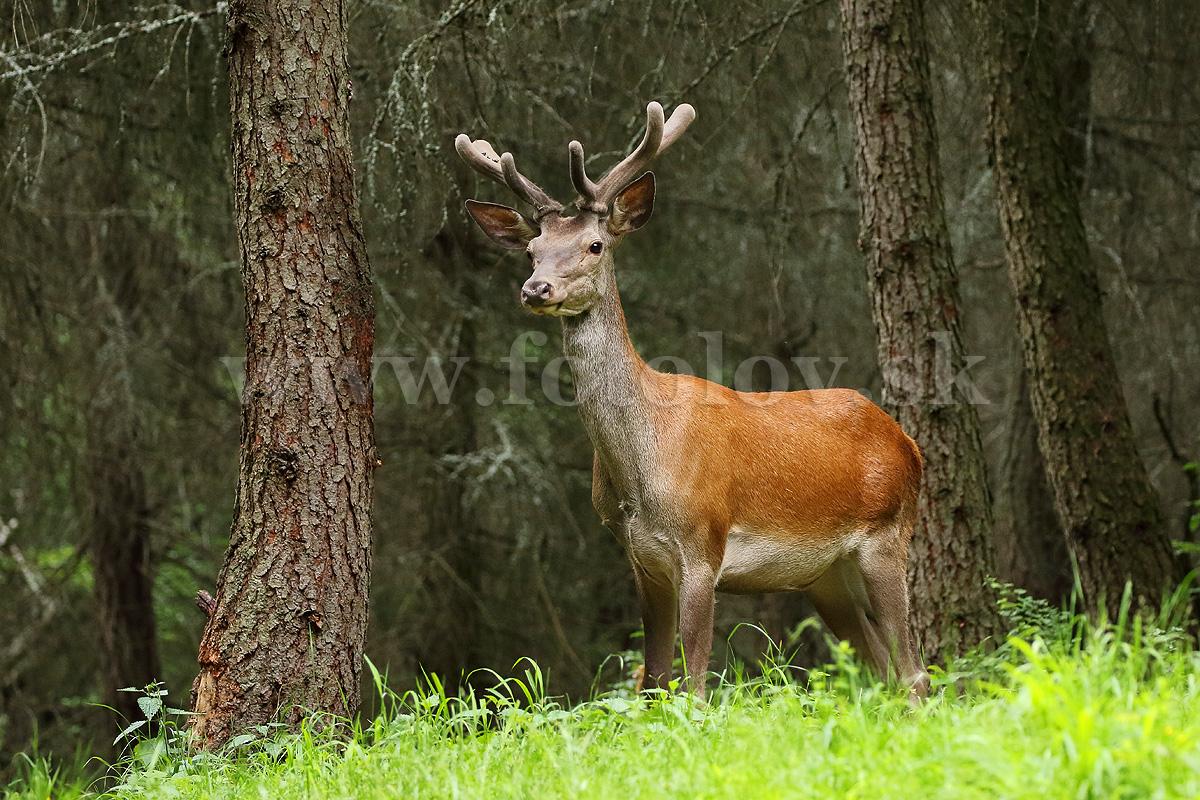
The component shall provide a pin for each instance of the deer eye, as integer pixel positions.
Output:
(596, 247)
(530, 254)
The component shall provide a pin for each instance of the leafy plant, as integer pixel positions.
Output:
(1030, 616)
(158, 736)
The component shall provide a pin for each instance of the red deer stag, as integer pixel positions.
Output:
(708, 488)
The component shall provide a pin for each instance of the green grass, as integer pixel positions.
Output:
(1105, 713)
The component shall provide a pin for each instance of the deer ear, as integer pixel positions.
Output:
(505, 226)
(632, 208)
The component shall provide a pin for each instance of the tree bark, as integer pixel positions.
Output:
(1105, 503)
(1034, 553)
(914, 288)
(286, 637)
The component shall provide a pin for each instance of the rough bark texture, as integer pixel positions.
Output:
(1105, 503)
(914, 287)
(286, 637)
(1034, 553)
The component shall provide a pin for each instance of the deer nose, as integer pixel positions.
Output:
(535, 293)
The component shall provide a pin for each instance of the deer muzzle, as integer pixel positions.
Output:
(536, 293)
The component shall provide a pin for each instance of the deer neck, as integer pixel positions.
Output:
(612, 386)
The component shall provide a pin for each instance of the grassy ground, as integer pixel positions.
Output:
(1107, 713)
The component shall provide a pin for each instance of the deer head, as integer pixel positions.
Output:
(571, 255)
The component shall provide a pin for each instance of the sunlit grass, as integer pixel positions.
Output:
(1109, 712)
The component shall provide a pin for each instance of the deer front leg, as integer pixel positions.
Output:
(659, 604)
(697, 598)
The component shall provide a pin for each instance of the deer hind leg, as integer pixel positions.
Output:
(863, 598)
(840, 597)
(883, 565)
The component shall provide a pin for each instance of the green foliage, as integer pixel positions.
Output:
(158, 735)
(35, 778)
(1029, 616)
(1190, 469)
(1107, 712)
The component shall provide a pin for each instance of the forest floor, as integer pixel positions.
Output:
(1111, 712)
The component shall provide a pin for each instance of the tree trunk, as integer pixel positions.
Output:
(1031, 550)
(1034, 553)
(286, 636)
(119, 511)
(914, 287)
(1105, 503)
(122, 574)
(458, 566)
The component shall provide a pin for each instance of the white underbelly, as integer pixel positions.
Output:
(760, 563)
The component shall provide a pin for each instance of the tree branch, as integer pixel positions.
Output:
(66, 44)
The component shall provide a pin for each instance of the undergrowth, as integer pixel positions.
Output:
(1064, 709)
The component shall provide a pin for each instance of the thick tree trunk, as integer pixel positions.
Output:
(286, 636)
(1105, 503)
(1033, 554)
(914, 287)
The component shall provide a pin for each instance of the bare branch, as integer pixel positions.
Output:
(56, 48)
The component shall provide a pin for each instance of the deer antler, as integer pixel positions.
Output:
(503, 169)
(659, 136)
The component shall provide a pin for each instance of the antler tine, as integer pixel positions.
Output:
(526, 189)
(681, 117)
(658, 137)
(579, 179)
(617, 178)
(481, 157)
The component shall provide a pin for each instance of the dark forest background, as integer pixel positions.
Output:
(121, 324)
